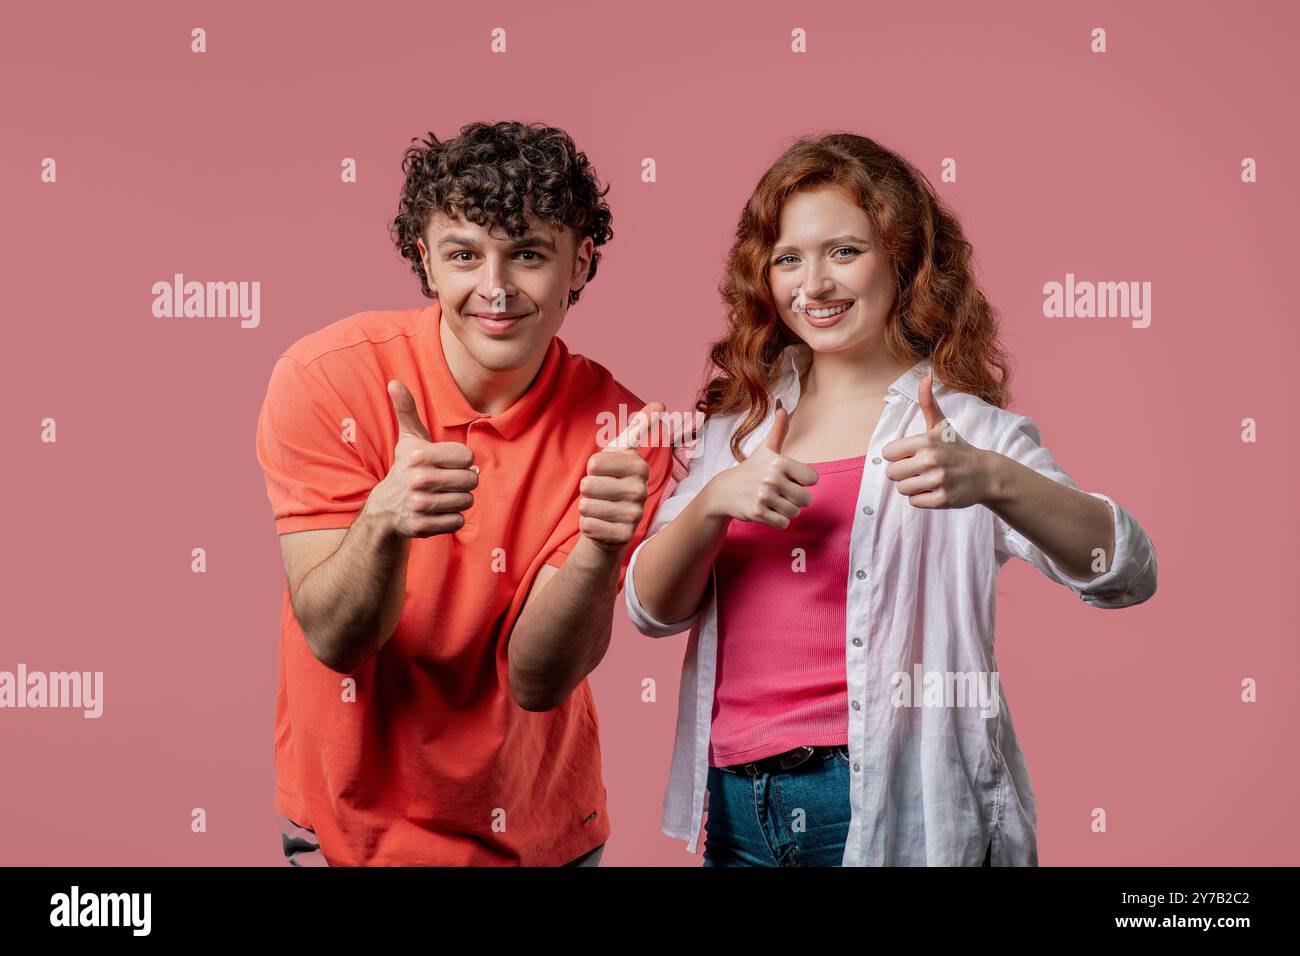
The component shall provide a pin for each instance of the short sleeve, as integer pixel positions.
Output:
(562, 551)
(315, 476)
(1131, 577)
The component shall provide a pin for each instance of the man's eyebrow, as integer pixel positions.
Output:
(834, 241)
(532, 239)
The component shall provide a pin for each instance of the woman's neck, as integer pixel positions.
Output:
(838, 377)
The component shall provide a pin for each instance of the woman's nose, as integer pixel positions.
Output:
(815, 286)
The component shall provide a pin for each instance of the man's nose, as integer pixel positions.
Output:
(494, 285)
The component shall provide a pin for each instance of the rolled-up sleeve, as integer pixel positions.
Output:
(1131, 578)
(669, 508)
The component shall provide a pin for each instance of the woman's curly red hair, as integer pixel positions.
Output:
(939, 311)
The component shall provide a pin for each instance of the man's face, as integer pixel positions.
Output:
(503, 298)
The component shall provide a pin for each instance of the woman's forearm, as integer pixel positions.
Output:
(673, 568)
(1063, 522)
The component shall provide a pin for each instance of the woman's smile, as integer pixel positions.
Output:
(825, 317)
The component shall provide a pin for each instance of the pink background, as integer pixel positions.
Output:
(225, 166)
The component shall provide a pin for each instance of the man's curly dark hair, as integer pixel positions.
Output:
(490, 175)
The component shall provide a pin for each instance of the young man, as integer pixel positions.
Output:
(453, 533)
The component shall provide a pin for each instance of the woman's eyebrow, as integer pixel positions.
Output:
(829, 242)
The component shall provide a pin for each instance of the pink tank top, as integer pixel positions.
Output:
(781, 679)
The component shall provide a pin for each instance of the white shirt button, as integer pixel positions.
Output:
(857, 642)
(866, 509)
(876, 460)
(860, 573)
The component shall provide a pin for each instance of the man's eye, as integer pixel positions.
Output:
(527, 252)
(461, 253)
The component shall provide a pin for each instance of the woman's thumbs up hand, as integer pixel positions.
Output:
(768, 487)
(938, 468)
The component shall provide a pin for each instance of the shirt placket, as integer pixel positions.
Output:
(478, 439)
(863, 654)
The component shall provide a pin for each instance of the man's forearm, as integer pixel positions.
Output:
(1065, 523)
(349, 604)
(562, 635)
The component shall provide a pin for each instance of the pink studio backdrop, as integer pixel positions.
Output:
(225, 166)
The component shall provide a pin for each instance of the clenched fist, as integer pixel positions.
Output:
(614, 491)
(430, 483)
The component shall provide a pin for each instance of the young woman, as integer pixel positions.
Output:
(834, 547)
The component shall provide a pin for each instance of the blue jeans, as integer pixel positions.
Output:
(798, 817)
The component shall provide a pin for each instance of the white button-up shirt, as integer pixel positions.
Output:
(929, 784)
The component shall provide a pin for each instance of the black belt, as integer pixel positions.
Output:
(782, 763)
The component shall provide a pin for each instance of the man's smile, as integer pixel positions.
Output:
(497, 323)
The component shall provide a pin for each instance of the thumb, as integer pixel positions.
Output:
(638, 428)
(929, 406)
(781, 424)
(408, 419)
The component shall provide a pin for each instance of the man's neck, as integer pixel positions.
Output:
(487, 391)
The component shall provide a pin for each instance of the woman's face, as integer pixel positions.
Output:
(833, 286)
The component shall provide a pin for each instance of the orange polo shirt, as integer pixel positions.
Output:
(429, 760)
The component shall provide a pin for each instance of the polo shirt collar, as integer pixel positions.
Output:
(450, 404)
(796, 358)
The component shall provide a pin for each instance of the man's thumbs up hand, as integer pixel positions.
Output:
(429, 484)
(616, 486)
(639, 428)
(408, 419)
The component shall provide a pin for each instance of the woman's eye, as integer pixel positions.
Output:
(781, 260)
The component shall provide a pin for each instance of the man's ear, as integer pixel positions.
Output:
(428, 270)
(582, 263)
